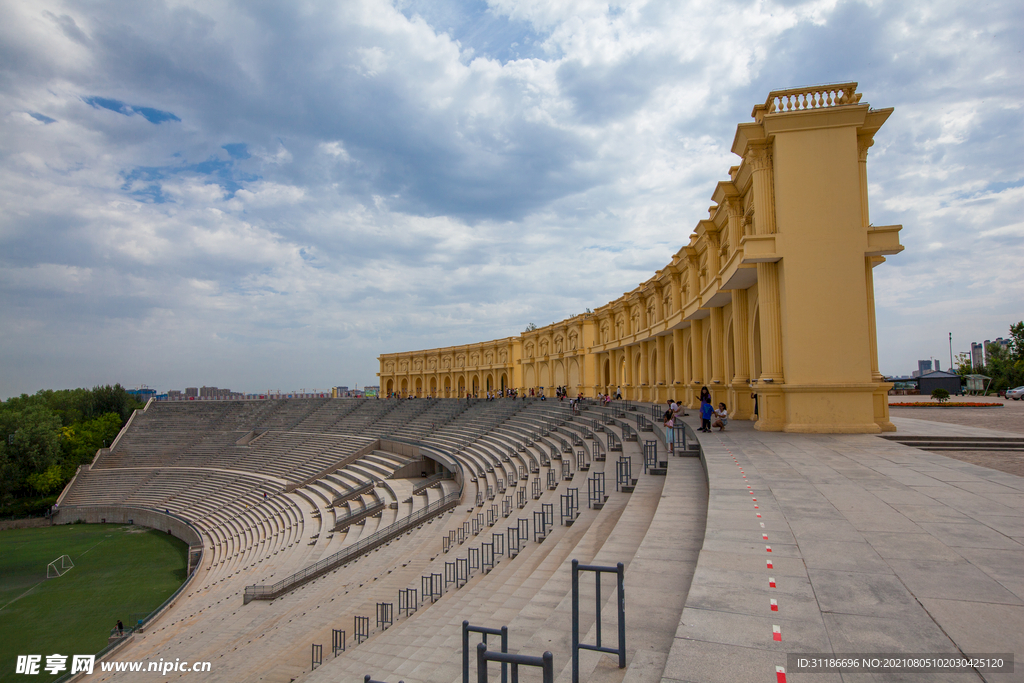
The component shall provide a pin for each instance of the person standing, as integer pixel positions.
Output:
(706, 411)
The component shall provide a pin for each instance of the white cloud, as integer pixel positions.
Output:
(352, 178)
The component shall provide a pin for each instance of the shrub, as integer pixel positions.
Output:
(940, 395)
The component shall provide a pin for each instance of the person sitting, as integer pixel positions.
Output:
(721, 417)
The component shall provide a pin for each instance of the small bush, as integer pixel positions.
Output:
(940, 395)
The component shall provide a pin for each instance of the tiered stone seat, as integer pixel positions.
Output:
(255, 540)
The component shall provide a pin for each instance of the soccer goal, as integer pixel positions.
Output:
(59, 567)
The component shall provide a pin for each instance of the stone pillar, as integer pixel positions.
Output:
(628, 388)
(645, 370)
(735, 211)
(742, 406)
(863, 143)
(717, 384)
(771, 324)
(677, 363)
(760, 159)
(660, 380)
(677, 293)
(697, 348)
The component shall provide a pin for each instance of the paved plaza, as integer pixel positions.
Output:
(873, 547)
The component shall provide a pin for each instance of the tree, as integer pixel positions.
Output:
(963, 363)
(1017, 341)
(31, 445)
(940, 395)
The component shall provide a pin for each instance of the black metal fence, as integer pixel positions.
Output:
(619, 571)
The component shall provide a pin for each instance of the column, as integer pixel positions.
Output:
(677, 293)
(697, 348)
(677, 358)
(660, 380)
(771, 321)
(760, 159)
(717, 357)
(742, 406)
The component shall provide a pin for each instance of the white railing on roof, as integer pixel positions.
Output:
(810, 97)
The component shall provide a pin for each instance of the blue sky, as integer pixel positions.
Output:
(267, 196)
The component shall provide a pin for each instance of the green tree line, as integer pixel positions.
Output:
(46, 436)
(1005, 365)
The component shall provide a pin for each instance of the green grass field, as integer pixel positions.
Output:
(118, 570)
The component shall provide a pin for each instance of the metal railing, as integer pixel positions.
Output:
(544, 662)
(346, 555)
(316, 656)
(467, 628)
(619, 571)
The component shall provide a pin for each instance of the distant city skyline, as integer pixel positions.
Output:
(262, 196)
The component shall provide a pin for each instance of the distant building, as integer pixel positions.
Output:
(977, 355)
(191, 392)
(937, 379)
(173, 395)
(143, 394)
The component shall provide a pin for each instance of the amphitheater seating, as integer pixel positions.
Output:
(230, 467)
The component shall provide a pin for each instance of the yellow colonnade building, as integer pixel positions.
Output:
(770, 304)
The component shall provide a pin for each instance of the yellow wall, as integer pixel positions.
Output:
(772, 294)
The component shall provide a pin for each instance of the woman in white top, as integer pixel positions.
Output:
(721, 417)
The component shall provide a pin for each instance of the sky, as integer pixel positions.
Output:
(264, 196)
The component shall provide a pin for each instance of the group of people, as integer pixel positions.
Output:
(710, 417)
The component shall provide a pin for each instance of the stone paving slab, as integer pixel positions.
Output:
(876, 547)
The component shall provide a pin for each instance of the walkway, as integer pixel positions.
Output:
(849, 544)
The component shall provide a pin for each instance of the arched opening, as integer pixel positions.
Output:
(688, 362)
(488, 382)
(462, 387)
(606, 380)
(405, 387)
(504, 381)
(419, 387)
(545, 378)
(638, 377)
(574, 375)
(433, 387)
(530, 377)
(652, 367)
(476, 385)
(447, 387)
(389, 388)
(559, 374)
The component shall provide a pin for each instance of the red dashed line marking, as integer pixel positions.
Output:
(764, 536)
(771, 582)
(768, 548)
(774, 604)
(770, 564)
(780, 674)
(776, 632)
